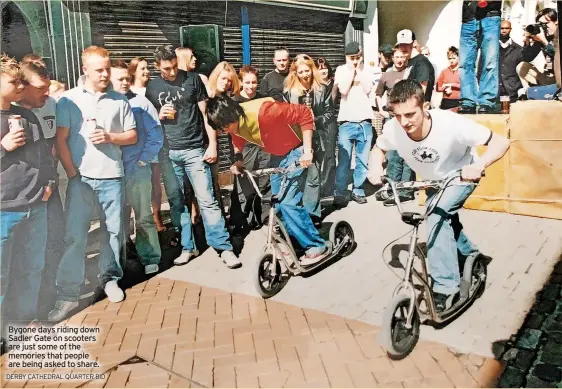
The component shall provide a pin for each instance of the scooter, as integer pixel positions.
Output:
(278, 261)
(412, 303)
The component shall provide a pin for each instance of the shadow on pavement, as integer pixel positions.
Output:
(533, 356)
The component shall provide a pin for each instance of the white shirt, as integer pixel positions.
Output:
(139, 91)
(47, 115)
(356, 106)
(448, 147)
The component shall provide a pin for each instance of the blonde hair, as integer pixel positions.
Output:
(213, 78)
(94, 50)
(9, 65)
(56, 86)
(184, 55)
(292, 82)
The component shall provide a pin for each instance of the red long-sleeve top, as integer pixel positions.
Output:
(448, 76)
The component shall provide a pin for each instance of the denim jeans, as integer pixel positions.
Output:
(190, 164)
(295, 217)
(172, 187)
(544, 92)
(84, 198)
(22, 257)
(359, 134)
(446, 238)
(138, 193)
(398, 170)
(483, 34)
(311, 195)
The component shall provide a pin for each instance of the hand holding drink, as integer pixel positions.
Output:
(97, 135)
(16, 137)
(168, 111)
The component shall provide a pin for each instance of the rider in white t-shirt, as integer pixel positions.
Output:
(435, 144)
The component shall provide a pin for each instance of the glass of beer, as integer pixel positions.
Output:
(172, 108)
(505, 101)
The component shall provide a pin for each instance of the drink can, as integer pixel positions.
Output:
(91, 125)
(15, 122)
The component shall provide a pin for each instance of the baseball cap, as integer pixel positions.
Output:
(405, 37)
(352, 48)
(386, 49)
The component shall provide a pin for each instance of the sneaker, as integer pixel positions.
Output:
(311, 259)
(61, 310)
(444, 302)
(390, 202)
(230, 260)
(113, 292)
(340, 201)
(359, 199)
(150, 269)
(466, 110)
(185, 257)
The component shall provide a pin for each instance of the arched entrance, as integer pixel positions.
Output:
(16, 40)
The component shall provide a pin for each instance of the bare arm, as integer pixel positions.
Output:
(64, 152)
(124, 138)
(211, 152)
(497, 147)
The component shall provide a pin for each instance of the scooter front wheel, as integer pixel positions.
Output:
(267, 284)
(399, 340)
(338, 232)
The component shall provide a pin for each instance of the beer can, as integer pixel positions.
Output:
(15, 122)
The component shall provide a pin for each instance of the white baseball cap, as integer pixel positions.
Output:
(405, 37)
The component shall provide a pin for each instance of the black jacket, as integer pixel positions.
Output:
(510, 83)
(27, 169)
(323, 110)
(471, 11)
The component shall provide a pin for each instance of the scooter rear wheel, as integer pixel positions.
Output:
(399, 340)
(338, 231)
(267, 284)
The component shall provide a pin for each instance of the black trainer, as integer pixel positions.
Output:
(444, 302)
(390, 202)
(465, 110)
(358, 198)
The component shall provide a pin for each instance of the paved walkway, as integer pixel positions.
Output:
(192, 336)
(524, 250)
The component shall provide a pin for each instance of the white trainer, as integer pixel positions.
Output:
(230, 260)
(185, 257)
(113, 292)
(150, 269)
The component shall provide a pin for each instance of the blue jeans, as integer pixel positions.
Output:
(84, 198)
(483, 34)
(446, 238)
(138, 193)
(295, 217)
(22, 257)
(172, 187)
(190, 164)
(350, 134)
(398, 170)
(544, 92)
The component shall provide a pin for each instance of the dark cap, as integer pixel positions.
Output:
(352, 48)
(386, 49)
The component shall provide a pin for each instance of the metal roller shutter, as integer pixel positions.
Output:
(130, 29)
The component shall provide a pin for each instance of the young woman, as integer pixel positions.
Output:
(330, 137)
(449, 82)
(304, 85)
(223, 81)
(140, 75)
(252, 213)
(188, 61)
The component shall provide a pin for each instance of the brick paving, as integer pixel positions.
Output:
(193, 336)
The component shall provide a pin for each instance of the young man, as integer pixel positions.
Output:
(420, 68)
(510, 57)
(396, 168)
(27, 182)
(480, 29)
(93, 122)
(272, 83)
(35, 97)
(386, 53)
(185, 128)
(285, 131)
(138, 174)
(355, 123)
(435, 144)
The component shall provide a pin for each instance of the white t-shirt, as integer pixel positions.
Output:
(448, 147)
(356, 106)
(47, 115)
(139, 91)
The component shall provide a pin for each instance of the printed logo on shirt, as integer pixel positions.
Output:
(50, 120)
(426, 154)
(166, 97)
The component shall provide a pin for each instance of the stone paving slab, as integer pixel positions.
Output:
(193, 336)
(523, 248)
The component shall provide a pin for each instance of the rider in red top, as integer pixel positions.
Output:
(285, 131)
